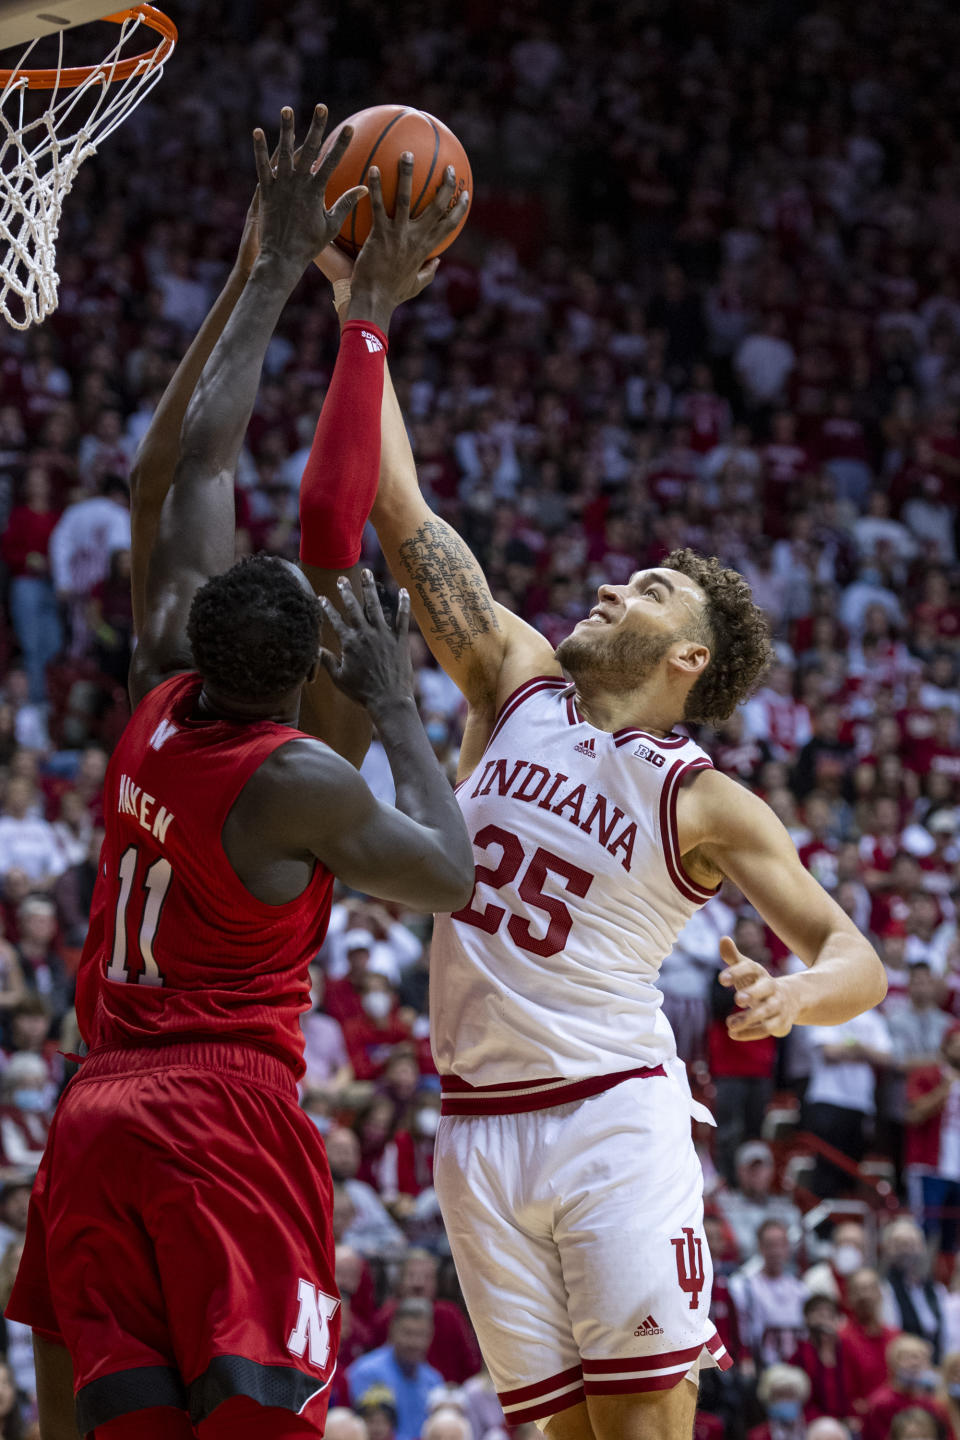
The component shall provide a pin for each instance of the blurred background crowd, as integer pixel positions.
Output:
(709, 294)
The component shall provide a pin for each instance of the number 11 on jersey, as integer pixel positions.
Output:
(156, 882)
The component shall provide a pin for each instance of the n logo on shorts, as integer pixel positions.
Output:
(688, 1253)
(313, 1324)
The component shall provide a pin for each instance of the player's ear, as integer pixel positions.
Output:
(691, 656)
(313, 672)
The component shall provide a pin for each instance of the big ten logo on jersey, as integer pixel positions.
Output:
(652, 757)
(312, 1330)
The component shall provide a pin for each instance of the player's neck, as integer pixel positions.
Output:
(214, 706)
(639, 709)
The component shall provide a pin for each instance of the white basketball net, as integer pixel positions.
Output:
(39, 160)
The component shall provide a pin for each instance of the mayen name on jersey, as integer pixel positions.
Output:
(133, 800)
(590, 811)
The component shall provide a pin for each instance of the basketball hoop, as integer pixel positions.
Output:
(40, 155)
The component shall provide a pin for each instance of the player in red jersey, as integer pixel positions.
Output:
(179, 1259)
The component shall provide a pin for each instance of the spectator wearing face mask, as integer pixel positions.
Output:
(783, 1391)
(25, 1111)
(453, 1350)
(847, 1254)
(371, 1036)
(404, 1168)
(911, 1383)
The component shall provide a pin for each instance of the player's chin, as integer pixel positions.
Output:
(578, 647)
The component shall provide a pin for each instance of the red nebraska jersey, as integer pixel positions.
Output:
(178, 947)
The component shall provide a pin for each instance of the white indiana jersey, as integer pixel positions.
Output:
(580, 894)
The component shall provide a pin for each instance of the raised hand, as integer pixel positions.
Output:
(393, 264)
(766, 1004)
(294, 223)
(374, 667)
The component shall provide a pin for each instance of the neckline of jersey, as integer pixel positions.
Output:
(575, 718)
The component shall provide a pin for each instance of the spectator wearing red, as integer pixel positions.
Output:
(866, 1338)
(820, 1356)
(344, 996)
(911, 1384)
(932, 1149)
(405, 1165)
(453, 1350)
(742, 1071)
(371, 1036)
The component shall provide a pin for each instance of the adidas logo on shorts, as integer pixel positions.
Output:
(649, 1327)
(587, 747)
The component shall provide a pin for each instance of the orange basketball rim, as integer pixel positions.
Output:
(108, 71)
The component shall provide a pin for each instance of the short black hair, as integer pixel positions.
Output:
(254, 630)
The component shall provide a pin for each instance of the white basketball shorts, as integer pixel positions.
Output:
(577, 1234)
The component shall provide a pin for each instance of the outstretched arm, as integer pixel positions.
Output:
(195, 536)
(156, 460)
(340, 480)
(729, 831)
(486, 650)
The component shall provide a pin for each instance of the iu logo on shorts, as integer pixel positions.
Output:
(688, 1252)
(312, 1329)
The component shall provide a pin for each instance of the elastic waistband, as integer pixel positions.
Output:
(516, 1098)
(242, 1062)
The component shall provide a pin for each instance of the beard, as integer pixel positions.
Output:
(618, 663)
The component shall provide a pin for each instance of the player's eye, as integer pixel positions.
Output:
(654, 591)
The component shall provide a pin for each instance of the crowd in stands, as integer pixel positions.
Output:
(710, 295)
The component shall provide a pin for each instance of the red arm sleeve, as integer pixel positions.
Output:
(339, 483)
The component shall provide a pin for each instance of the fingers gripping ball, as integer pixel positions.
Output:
(380, 136)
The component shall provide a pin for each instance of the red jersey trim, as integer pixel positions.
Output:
(542, 1408)
(596, 1369)
(665, 742)
(545, 1397)
(523, 1096)
(525, 1393)
(516, 699)
(685, 883)
(621, 737)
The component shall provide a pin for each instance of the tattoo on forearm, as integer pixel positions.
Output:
(450, 585)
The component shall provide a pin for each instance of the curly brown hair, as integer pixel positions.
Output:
(737, 632)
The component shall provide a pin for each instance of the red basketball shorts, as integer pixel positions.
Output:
(179, 1240)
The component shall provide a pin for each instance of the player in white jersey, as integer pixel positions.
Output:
(565, 1168)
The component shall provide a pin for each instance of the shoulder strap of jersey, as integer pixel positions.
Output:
(522, 694)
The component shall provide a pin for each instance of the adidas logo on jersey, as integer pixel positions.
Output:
(649, 1327)
(653, 757)
(587, 747)
(373, 344)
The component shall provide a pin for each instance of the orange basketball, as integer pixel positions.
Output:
(380, 136)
